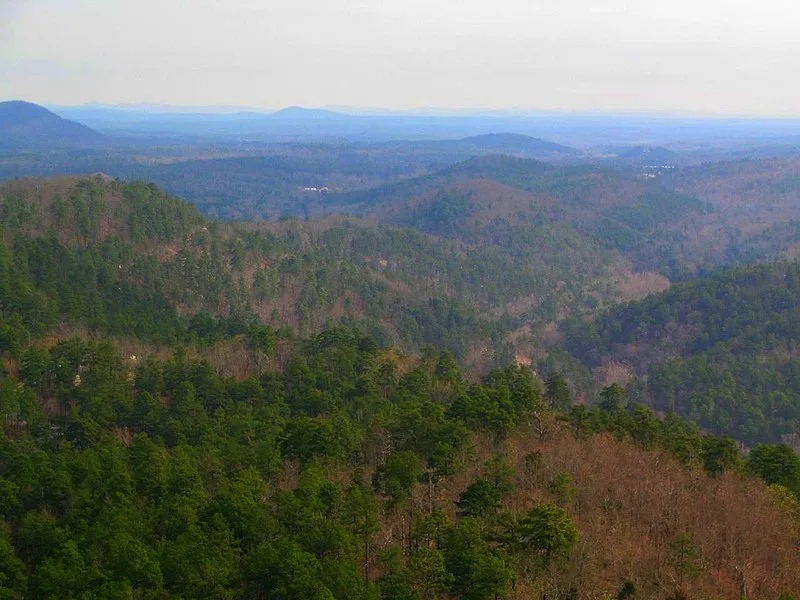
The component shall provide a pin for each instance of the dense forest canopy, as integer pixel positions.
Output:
(126, 259)
(721, 350)
(98, 253)
(499, 378)
(352, 471)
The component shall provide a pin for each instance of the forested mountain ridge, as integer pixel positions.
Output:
(23, 124)
(675, 220)
(599, 209)
(515, 143)
(97, 251)
(757, 208)
(125, 259)
(334, 465)
(721, 350)
(128, 259)
(340, 470)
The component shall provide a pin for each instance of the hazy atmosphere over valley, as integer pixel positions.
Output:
(713, 56)
(394, 300)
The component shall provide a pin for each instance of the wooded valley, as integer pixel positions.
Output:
(484, 368)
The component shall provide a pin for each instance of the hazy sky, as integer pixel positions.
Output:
(719, 56)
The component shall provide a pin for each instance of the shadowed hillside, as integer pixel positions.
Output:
(96, 252)
(721, 350)
(25, 124)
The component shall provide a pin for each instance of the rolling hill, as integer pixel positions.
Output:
(25, 124)
(721, 350)
(485, 285)
(164, 434)
(649, 155)
(601, 210)
(517, 143)
(96, 253)
(340, 470)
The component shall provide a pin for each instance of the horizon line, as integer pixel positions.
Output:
(422, 111)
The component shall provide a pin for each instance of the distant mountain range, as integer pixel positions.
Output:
(517, 143)
(298, 112)
(24, 124)
(648, 154)
(298, 123)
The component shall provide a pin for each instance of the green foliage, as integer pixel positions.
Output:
(163, 467)
(154, 215)
(507, 397)
(718, 350)
(429, 573)
(480, 572)
(547, 534)
(124, 477)
(562, 489)
(13, 580)
(128, 259)
(397, 580)
(684, 558)
(627, 591)
(444, 214)
(613, 399)
(776, 464)
(557, 393)
(721, 454)
(396, 477)
(480, 499)
(164, 479)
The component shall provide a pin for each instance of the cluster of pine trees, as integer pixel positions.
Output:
(335, 465)
(720, 350)
(330, 477)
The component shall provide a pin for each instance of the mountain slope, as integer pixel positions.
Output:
(24, 123)
(649, 155)
(95, 252)
(721, 350)
(503, 268)
(298, 113)
(604, 210)
(516, 143)
(340, 470)
(334, 466)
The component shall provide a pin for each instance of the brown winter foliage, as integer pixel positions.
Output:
(631, 506)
